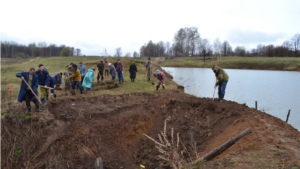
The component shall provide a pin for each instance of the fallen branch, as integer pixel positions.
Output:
(224, 146)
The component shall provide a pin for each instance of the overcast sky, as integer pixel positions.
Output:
(93, 25)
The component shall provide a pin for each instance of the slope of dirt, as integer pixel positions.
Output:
(72, 133)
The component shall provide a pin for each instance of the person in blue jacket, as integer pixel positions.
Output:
(52, 83)
(25, 92)
(43, 79)
(58, 79)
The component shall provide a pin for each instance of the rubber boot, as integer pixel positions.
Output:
(221, 98)
(43, 100)
(157, 87)
(72, 92)
(163, 86)
(28, 110)
(38, 110)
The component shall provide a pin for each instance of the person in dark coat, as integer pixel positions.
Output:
(44, 78)
(25, 93)
(100, 66)
(52, 84)
(132, 71)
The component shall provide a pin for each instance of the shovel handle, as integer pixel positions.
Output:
(32, 91)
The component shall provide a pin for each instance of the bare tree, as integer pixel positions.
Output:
(186, 40)
(167, 48)
(296, 44)
(260, 50)
(6, 45)
(240, 51)
(135, 54)
(226, 48)
(204, 48)
(118, 52)
(217, 46)
(128, 54)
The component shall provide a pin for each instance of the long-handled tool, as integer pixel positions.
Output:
(45, 87)
(214, 91)
(32, 91)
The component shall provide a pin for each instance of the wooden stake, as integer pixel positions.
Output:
(288, 115)
(256, 105)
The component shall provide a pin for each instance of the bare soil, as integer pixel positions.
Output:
(73, 132)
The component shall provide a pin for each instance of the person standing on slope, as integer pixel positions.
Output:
(222, 80)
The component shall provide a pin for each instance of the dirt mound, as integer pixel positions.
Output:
(74, 132)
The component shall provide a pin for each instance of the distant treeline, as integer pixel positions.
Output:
(15, 50)
(188, 42)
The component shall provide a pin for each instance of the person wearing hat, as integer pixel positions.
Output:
(148, 68)
(88, 79)
(44, 81)
(100, 66)
(222, 80)
(112, 71)
(82, 70)
(161, 79)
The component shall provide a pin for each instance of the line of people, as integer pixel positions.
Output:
(75, 77)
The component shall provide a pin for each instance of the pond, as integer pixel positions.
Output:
(275, 91)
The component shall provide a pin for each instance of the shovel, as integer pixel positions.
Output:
(214, 91)
(32, 91)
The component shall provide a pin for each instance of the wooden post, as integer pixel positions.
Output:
(288, 115)
(224, 146)
(256, 105)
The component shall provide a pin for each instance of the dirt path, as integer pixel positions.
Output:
(74, 132)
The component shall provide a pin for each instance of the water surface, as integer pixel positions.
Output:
(275, 91)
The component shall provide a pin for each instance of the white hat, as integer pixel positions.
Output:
(157, 72)
(109, 64)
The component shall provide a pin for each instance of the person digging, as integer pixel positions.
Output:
(76, 76)
(28, 89)
(43, 80)
(100, 66)
(161, 79)
(222, 80)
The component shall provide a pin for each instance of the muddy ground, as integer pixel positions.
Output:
(72, 133)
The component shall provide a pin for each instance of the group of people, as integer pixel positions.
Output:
(79, 78)
(30, 82)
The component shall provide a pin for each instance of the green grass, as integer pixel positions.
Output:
(259, 63)
(57, 64)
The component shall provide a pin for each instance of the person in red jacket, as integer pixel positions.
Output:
(161, 79)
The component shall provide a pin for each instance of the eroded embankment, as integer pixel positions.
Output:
(72, 133)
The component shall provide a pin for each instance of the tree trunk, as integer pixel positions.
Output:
(224, 146)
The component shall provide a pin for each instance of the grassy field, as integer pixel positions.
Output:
(257, 63)
(9, 68)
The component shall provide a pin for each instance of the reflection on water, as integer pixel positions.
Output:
(275, 91)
